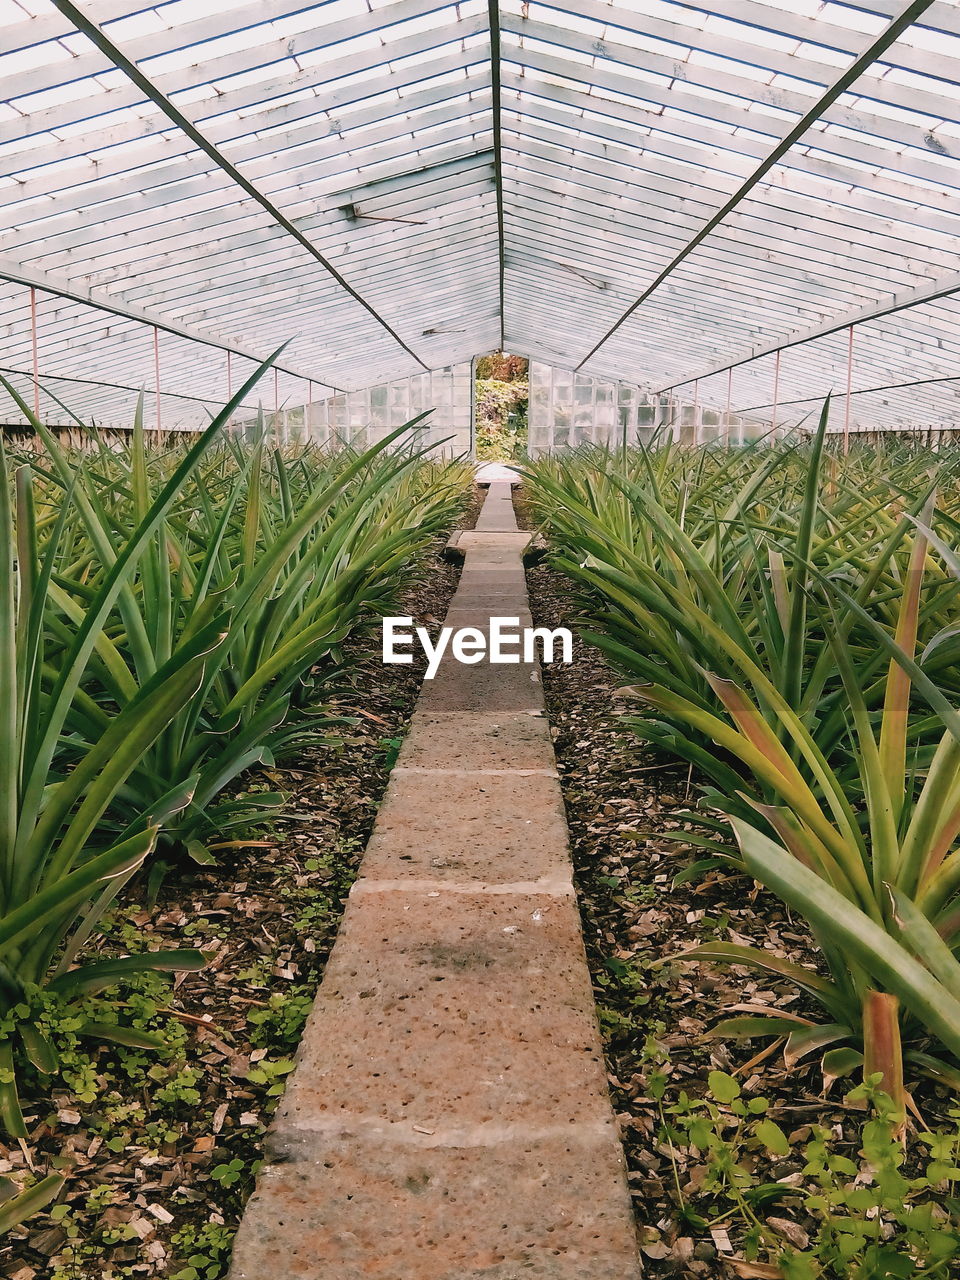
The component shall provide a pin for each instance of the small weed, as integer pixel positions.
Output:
(229, 1173)
(849, 1209)
(204, 1249)
(390, 749)
(280, 1025)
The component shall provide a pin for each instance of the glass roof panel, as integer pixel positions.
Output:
(342, 193)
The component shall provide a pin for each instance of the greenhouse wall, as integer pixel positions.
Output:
(693, 423)
(366, 416)
(568, 408)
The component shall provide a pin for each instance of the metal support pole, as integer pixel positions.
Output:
(36, 355)
(493, 19)
(156, 372)
(776, 395)
(726, 419)
(696, 412)
(846, 407)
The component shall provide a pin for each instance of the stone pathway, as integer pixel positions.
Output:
(449, 1118)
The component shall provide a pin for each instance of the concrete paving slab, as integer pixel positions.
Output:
(496, 578)
(502, 564)
(497, 521)
(499, 604)
(492, 557)
(470, 540)
(497, 514)
(485, 827)
(447, 1012)
(484, 687)
(497, 473)
(534, 1208)
(472, 615)
(496, 603)
(478, 740)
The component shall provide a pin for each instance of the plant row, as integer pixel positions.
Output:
(790, 616)
(170, 616)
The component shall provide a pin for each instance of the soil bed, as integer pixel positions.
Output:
(161, 1150)
(620, 799)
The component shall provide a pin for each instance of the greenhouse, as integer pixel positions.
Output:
(479, 639)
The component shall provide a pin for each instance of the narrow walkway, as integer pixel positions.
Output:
(449, 1118)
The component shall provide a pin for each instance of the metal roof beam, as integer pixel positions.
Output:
(697, 86)
(839, 158)
(256, 298)
(195, 33)
(593, 264)
(706, 146)
(941, 288)
(941, 16)
(227, 270)
(167, 238)
(112, 386)
(347, 131)
(206, 72)
(537, 117)
(239, 112)
(146, 87)
(177, 160)
(798, 238)
(862, 391)
(818, 32)
(906, 18)
(132, 212)
(19, 274)
(182, 257)
(656, 238)
(377, 269)
(829, 156)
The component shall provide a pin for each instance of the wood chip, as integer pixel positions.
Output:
(721, 1240)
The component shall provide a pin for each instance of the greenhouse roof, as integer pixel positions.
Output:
(658, 192)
